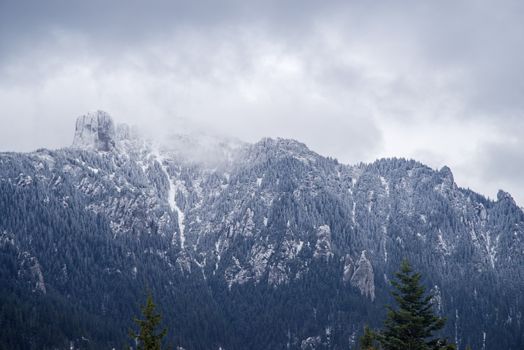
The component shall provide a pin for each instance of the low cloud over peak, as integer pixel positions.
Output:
(441, 81)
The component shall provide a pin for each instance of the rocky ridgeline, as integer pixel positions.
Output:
(274, 212)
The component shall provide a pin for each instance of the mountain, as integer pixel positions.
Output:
(244, 246)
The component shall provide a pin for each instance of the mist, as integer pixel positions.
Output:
(440, 83)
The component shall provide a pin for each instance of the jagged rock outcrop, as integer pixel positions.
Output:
(505, 196)
(363, 278)
(32, 267)
(348, 268)
(323, 245)
(95, 131)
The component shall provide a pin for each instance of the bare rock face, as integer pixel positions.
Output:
(348, 268)
(95, 131)
(505, 196)
(31, 270)
(311, 343)
(323, 245)
(436, 300)
(363, 277)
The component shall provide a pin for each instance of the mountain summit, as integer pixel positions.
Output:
(96, 131)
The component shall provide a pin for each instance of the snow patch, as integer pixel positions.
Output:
(353, 213)
(442, 244)
(385, 184)
(171, 198)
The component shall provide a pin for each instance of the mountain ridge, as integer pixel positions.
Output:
(272, 214)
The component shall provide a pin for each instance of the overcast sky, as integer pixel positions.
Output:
(438, 81)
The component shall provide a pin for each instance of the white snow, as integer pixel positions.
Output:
(172, 201)
(370, 200)
(249, 225)
(236, 274)
(353, 213)
(181, 225)
(94, 170)
(443, 245)
(456, 326)
(217, 250)
(385, 184)
(323, 244)
(385, 232)
(298, 246)
(259, 259)
(491, 247)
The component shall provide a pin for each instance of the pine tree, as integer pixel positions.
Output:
(148, 338)
(367, 340)
(411, 325)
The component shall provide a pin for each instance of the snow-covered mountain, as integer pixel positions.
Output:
(262, 228)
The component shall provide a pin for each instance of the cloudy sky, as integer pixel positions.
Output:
(438, 81)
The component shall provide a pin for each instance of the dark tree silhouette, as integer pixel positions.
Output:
(148, 337)
(411, 325)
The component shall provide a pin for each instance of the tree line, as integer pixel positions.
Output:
(410, 325)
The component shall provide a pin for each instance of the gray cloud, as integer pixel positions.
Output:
(437, 81)
(502, 161)
(499, 163)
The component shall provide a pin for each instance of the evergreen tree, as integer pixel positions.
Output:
(411, 325)
(148, 337)
(367, 341)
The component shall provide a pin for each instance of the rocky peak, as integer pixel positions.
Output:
(280, 148)
(446, 173)
(95, 131)
(505, 196)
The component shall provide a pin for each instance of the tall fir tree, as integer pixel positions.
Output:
(367, 341)
(148, 337)
(411, 325)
